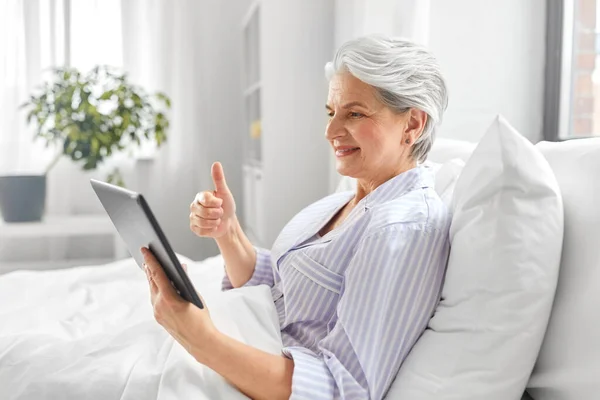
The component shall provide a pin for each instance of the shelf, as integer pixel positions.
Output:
(252, 134)
(253, 200)
(251, 10)
(252, 145)
(252, 162)
(59, 226)
(252, 89)
(251, 47)
(64, 226)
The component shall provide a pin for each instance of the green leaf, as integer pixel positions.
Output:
(105, 139)
(106, 95)
(164, 98)
(126, 118)
(30, 115)
(90, 164)
(137, 100)
(159, 137)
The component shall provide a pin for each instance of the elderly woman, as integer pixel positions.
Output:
(356, 276)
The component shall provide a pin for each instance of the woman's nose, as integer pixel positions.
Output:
(334, 129)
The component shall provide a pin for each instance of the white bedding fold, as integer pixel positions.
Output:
(89, 332)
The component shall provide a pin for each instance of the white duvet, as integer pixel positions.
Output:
(89, 333)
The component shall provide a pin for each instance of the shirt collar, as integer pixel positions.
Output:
(419, 177)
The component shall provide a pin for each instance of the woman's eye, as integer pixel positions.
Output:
(356, 115)
(330, 114)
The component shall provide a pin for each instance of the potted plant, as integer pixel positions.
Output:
(88, 117)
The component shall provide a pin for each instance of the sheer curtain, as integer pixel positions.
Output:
(34, 36)
(28, 45)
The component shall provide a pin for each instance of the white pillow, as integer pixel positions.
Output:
(446, 177)
(445, 149)
(506, 236)
(568, 366)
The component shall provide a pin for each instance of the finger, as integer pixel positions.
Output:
(219, 178)
(156, 272)
(206, 223)
(208, 199)
(207, 213)
(202, 231)
(184, 266)
(153, 287)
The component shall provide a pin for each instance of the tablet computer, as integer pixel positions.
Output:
(133, 219)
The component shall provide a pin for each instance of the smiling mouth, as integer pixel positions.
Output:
(346, 152)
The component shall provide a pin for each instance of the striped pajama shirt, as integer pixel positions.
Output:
(353, 302)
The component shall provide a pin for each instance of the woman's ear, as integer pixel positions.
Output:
(414, 125)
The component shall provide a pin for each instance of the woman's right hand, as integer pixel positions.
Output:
(212, 213)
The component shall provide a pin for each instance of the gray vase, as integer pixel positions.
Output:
(22, 197)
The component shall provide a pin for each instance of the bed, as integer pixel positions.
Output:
(89, 332)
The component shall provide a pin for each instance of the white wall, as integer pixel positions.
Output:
(492, 54)
(405, 18)
(297, 41)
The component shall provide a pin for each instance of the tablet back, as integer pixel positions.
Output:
(138, 228)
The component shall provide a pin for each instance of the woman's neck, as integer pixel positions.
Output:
(364, 186)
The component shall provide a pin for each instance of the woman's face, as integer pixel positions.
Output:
(367, 137)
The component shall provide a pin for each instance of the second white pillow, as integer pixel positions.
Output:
(506, 236)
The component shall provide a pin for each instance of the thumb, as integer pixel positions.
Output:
(219, 177)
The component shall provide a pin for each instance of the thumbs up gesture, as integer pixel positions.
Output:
(212, 213)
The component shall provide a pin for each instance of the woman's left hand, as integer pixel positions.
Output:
(256, 373)
(190, 326)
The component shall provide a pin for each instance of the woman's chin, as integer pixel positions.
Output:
(345, 170)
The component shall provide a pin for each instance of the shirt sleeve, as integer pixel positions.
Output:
(391, 288)
(263, 272)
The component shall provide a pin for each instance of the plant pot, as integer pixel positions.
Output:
(22, 197)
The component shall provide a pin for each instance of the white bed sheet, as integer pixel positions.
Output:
(89, 332)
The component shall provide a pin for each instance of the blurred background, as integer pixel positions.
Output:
(242, 82)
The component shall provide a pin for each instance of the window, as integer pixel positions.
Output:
(37, 35)
(95, 33)
(572, 90)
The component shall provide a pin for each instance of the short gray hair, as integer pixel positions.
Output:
(404, 74)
